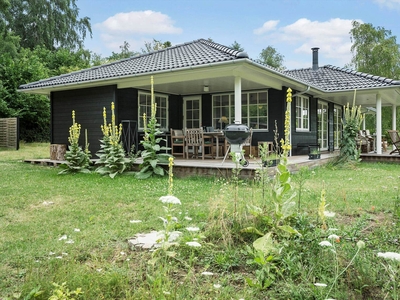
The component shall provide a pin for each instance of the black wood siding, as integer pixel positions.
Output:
(88, 105)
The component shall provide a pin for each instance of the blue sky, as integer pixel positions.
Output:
(292, 27)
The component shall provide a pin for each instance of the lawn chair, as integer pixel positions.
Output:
(394, 136)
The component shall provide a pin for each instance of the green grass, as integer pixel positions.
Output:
(38, 207)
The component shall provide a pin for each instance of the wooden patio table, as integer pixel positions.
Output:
(218, 136)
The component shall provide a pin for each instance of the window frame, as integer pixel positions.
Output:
(246, 119)
(300, 104)
(159, 113)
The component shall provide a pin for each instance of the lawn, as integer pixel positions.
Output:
(74, 229)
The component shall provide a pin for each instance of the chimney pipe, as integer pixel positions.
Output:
(315, 58)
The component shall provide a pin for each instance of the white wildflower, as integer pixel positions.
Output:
(320, 284)
(207, 273)
(333, 229)
(193, 244)
(188, 218)
(175, 219)
(360, 244)
(334, 237)
(389, 255)
(329, 214)
(166, 293)
(77, 230)
(64, 237)
(69, 242)
(217, 286)
(325, 243)
(122, 253)
(135, 221)
(59, 257)
(170, 199)
(192, 229)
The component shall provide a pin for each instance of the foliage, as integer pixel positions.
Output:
(152, 158)
(62, 292)
(33, 110)
(78, 160)
(125, 53)
(112, 156)
(375, 50)
(155, 45)
(52, 24)
(237, 46)
(270, 56)
(351, 121)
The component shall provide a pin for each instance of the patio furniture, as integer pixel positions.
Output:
(370, 138)
(394, 136)
(177, 143)
(363, 142)
(195, 140)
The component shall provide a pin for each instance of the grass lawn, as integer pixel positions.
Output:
(75, 228)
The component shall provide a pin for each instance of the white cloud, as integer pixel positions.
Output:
(135, 27)
(139, 22)
(391, 4)
(332, 37)
(267, 26)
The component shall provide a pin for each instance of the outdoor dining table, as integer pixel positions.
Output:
(219, 137)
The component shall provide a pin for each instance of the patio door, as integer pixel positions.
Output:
(192, 112)
(323, 125)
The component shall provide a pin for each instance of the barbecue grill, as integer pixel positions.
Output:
(236, 135)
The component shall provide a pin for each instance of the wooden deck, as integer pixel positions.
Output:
(215, 167)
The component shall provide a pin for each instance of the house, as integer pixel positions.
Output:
(198, 83)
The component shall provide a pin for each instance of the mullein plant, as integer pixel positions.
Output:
(151, 155)
(112, 156)
(78, 160)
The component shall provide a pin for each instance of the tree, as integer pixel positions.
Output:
(270, 56)
(375, 50)
(48, 23)
(155, 46)
(33, 110)
(125, 52)
(237, 46)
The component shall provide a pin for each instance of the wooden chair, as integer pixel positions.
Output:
(370, 138)
(363, 142)
(394, 136)
(195, 139)
(178, 144)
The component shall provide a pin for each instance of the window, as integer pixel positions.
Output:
(337, 126)
(145, 107)
(302, 113)
(254, 109)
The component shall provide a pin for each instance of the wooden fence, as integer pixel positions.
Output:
(9, 133)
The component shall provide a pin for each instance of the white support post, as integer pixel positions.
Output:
(238, 100)
(394, 115)
(378, 124)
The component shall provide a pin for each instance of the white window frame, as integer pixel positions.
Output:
(161, 113)
(302, 105)
(245, 102)
(337, 126)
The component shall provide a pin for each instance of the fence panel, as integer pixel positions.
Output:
(9, 133)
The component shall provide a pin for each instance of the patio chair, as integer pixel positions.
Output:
(177, 143)
(363, 142)
(195, 140)
(370, 138)
(394, 136)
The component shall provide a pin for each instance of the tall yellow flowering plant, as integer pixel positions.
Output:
(112, 156)
(78, 160)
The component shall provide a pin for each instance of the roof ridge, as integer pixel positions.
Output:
(230, 51)
(365, 75)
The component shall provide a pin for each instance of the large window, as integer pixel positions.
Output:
(337, 126)
(302, 113)
(254, 109)
(145, 107)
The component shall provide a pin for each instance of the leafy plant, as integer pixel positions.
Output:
(112, 156)
(62, 292)
(152, 158)
(351, 124)
(78, 160)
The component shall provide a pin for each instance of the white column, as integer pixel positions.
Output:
(363, 123)
(378, 124)
(238, 100)
(394, 115)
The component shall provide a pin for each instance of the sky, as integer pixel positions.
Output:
(292, 27)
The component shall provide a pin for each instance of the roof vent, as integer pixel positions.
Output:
(315, 58)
